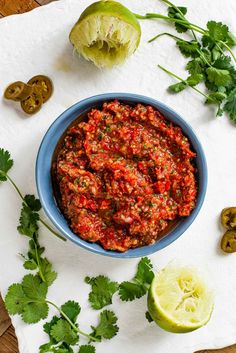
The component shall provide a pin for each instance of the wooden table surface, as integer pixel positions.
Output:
(8, 340)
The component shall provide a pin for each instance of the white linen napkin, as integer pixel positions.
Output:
(37, 43)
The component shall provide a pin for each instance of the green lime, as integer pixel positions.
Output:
(106, 33)
(179, 300)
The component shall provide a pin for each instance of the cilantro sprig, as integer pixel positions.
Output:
(29, 297)
(102, 291)
(30, 205)
(139, 286)
(208, 62)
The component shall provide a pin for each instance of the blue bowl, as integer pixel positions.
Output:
(44, 182)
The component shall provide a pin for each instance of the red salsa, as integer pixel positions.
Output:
(124, 175)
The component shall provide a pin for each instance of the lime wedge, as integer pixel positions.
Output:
(179, 300)
(106, 33)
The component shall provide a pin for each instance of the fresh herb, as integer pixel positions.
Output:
(30, 205)
(28, 299)
(103, 288)
(138, 287)
(87, 349)
(102, 291)
(106, 328)
(208, 61)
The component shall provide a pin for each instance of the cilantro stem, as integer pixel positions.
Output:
(182, 80)
(75, 328)
(51, 230)
(40, 219)
(162, 17)
(38, 261)
(15, 187)
(228, 48)
(164, 34)
(203, 57)
(181, 14)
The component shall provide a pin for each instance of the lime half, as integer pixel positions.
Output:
(179, 300)
(106, 33)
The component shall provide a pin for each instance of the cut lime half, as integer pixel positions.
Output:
(106, 33)
(179, 300)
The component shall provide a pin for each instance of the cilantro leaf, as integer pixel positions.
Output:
(71, 309)
(87, 348)
(51, 347)
(177, 87)
(45, 348)
(5, 164)
(217, 30)
(173, 13)
(129, 291)
(102, 291)
(144, 272)
(48, 325)
(223, 62)
(28, 299)
(230, 40)
(195, 66)
(28, 221)
(30, 265)
(62, 331)
(33, 203)
(34, 288)
(188, 49)
(215, 97)
(233, 117)
(219, 77)
(107, 327)
(230, 105)
(34, 312)
(15, 299)
(49, 274)
(148, 317)
(194, 79)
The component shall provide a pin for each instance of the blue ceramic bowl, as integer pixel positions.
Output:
(44, 182)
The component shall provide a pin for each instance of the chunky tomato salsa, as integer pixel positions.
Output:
(124, 175)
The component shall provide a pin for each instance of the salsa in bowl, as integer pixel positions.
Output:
(121, 174)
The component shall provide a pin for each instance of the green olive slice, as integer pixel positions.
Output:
(18, 91)
(228, 218)
(43, 84)
(228, 242)
(33, 103)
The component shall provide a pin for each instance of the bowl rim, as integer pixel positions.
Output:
(50, 206)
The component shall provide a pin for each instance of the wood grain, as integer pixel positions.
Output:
(5, 321)
(8, 340)
(44, 2)
(230, 349)
(10, 7)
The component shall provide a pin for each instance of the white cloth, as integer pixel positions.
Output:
(37, 43)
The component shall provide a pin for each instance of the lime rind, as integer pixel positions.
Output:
(179, 300)
(106, 33)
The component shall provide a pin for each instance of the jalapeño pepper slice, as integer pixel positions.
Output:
(43, 85)
(228, 218)
(228, 242)
(18, 91)
(33, 103)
